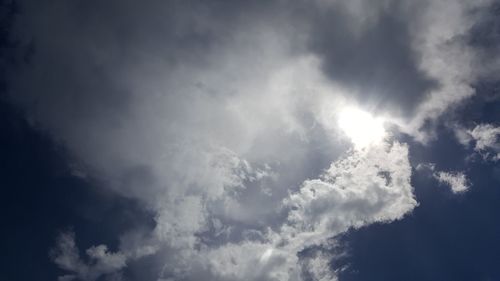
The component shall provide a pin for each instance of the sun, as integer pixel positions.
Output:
(361, 127)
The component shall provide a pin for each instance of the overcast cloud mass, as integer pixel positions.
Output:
(252, 135)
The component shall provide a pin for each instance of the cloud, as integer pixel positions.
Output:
(100, 260)
(318, 267)
(366, 46)
(374, 50)
(377, 49)
(355, 191)
(221, 119)
(457, 181)
(485, 138)
(446, 57)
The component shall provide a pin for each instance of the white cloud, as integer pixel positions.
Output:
(368, 186)
(485, 138)
(317, 267)
(365, 186)
(457, 181)
(355, 191)
(190, 178)
(438, 36)
(100, 261)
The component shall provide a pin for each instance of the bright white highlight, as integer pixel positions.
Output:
(361, 127)
(267, 254)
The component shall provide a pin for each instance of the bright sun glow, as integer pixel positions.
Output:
(361, 127)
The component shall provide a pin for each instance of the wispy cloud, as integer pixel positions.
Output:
(100, 261)
(485, 139)
(457, 181)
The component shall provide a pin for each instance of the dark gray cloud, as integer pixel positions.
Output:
(85, 50)
(372, 53)
(85, 47)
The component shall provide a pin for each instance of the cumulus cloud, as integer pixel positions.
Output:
(457, 181)
(368, 186)
(356, 190)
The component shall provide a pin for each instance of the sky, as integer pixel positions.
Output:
(321, 140)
